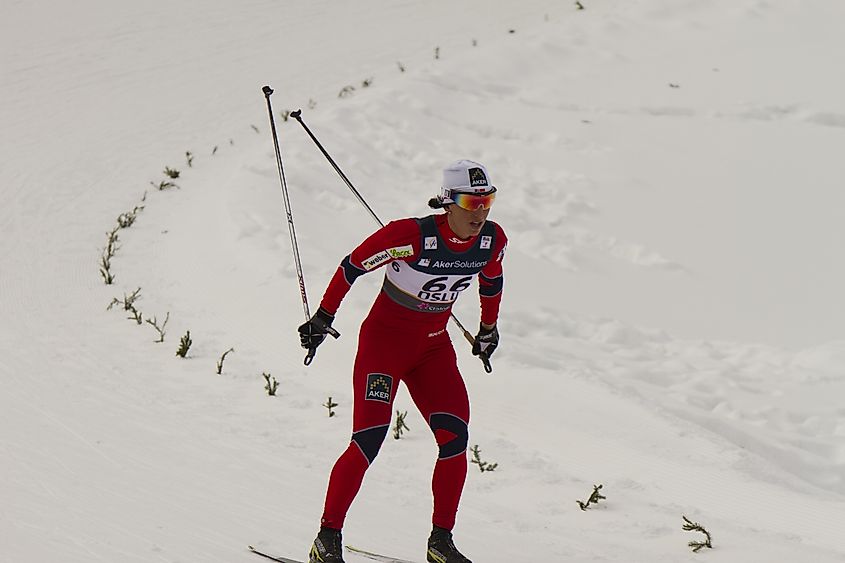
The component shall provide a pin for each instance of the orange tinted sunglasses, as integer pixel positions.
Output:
(471, 202)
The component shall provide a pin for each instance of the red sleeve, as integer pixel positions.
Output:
(491, 280)
(398, 240)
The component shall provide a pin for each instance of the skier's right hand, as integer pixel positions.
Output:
(313, 331)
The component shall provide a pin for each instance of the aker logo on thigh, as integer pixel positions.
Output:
(379, 387)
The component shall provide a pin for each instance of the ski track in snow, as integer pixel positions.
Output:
(114, 450)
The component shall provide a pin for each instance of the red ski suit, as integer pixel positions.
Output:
(404, 338)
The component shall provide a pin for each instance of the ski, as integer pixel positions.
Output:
(273, 557)
(376, 556)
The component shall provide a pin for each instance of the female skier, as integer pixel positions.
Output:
(429, 262)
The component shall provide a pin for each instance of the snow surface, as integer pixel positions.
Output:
(670, 178)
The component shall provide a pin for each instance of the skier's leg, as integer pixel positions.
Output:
(348, 474)
(374, 383)
(439, 392)
(450, 471)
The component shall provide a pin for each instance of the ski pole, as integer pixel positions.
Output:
(298, 116)
(471, 339)
(311, 351)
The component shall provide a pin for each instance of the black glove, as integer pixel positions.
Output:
(314, 331)
(486, 341)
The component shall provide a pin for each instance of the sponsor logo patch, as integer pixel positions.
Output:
(459, 264)
(433, 307)
(502, 253)
(486, 241)
(379, 387)
(375, 260)
(477, 177)
(430, 243)
(401, 251)
(424, 262)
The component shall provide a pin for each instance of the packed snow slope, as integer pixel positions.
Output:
(670, 180)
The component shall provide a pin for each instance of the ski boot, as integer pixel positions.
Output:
(327, 548)
(441, 548)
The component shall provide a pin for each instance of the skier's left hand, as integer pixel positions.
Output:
(486, 341)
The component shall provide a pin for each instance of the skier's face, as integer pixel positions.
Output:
(465, 223)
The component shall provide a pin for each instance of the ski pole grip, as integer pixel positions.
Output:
(311, 351)
(486, 361)
(483, 357)
(267, 91)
